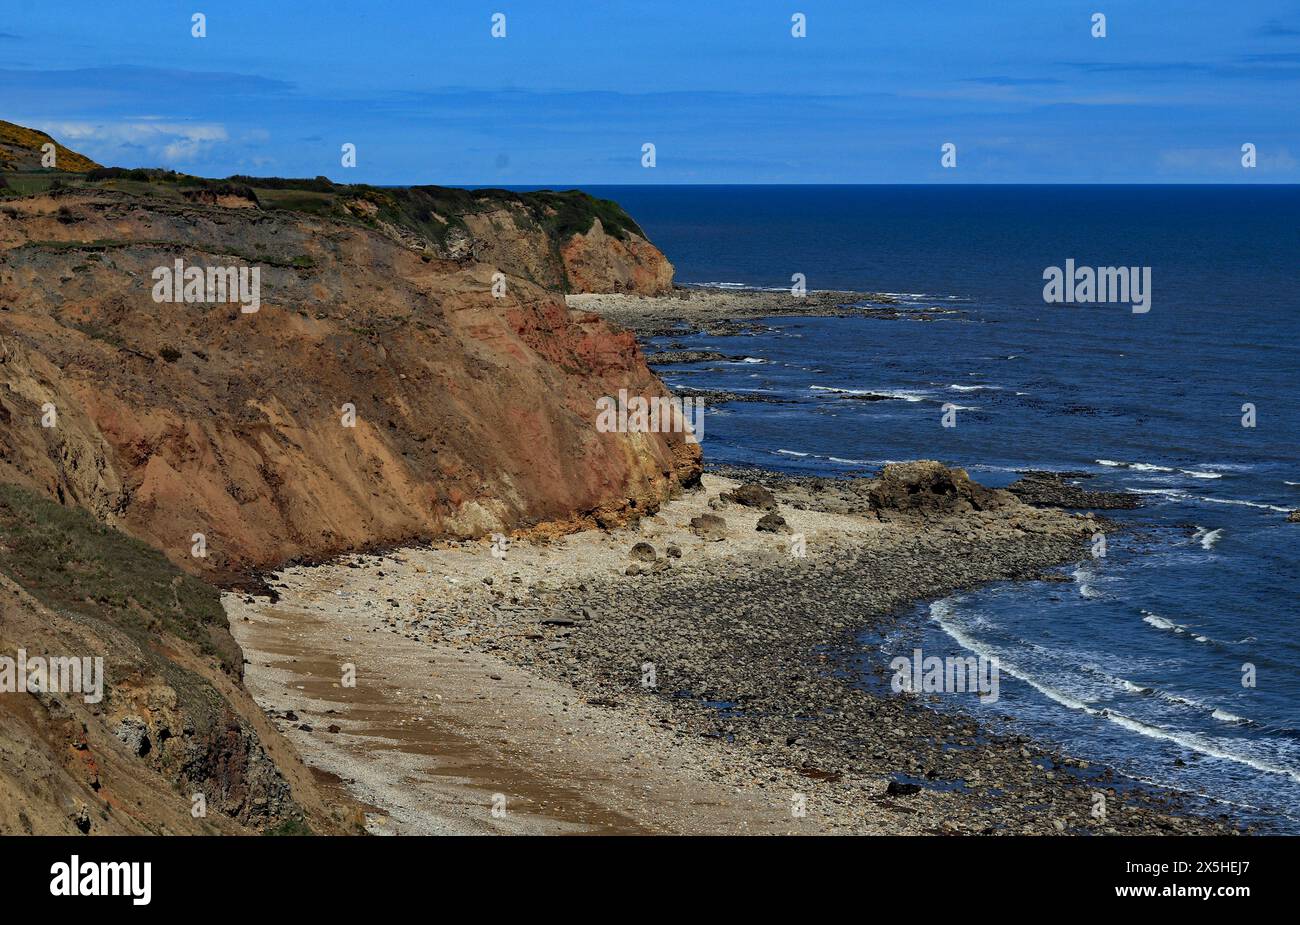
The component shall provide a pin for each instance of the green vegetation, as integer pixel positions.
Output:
(290, 827)
(21, 147)
(72, 563)
(430, 212)
(575, 212)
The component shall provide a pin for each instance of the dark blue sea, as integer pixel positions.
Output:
(1139, 660)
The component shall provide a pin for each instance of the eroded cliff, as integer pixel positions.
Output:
(400, 366)
(474, 411)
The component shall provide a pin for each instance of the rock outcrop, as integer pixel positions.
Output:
(598, 262)
(929, 488)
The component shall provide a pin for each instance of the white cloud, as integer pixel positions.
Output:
(166, 142)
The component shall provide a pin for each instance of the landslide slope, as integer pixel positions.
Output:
(173, 721)
(472, 413)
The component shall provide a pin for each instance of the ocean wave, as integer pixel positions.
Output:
(734, 287)
(1214, 712)
(975, 388)
(904, 394)
(1178, 629)
(1207, 538)
(1083, 578)
(1174, 494)
(1126, 685)
(940, 612)
(1224, 716)
(1153, 467)
(1160, 623)
(1257, 504)
(837, 459)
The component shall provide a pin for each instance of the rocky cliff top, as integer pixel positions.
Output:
(559, 239)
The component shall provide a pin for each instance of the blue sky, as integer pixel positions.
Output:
(721, 88)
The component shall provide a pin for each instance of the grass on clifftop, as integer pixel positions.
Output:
(70, 562)
(430, 212)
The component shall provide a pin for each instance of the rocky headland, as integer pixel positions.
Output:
(451, 603)
(406, 370)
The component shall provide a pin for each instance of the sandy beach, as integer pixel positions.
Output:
(664, 677)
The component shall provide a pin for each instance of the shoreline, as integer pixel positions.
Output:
(719, 311)
(523, 676)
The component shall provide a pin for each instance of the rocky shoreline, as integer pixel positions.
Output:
(757, 680)
(687, 671)
(721, 312)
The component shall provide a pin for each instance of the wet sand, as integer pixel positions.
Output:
(432, 734)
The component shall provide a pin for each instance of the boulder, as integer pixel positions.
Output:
(752, 494)
(772, 523)
(710, 527)
(900, 789)
(929, 487)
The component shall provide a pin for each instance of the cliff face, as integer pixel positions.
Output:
(599, 262)
(401, 366)
(566, 241)
(473, 413)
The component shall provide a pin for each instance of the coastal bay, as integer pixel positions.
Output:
(521, 678)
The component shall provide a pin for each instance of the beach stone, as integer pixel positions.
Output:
(1293, 517)
(752, 494)
(673, 551)
(900, 789)
(643, 552)
(632, 569)
(772, 523)
(710, 527)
